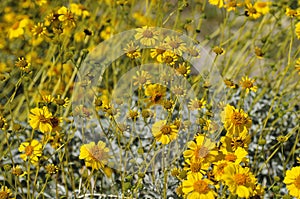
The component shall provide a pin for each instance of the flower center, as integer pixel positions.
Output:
(43, 119)
(29, 150)
(240, 179)
(98, 153)
(237, 119)
(16, 25)
(4, 195)
(247, 84)
(201, 186)
(166, 130)
(297, 182)
(156, 97)
(195, 167)
(174, 44)
(202, 152)
(230, 157)
(148, 34)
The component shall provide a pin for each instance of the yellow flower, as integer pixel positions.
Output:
(239, 180)
(251, 11)
(218, 169)
(95, 156)
(231, 144)
(23, 64)
(163, 132)
(32, 150)
(262, 7)
(219, 3)
(175, 44)
(237, 156)
(141, 79)
(291, 13)
(41, 2)
(229, 83)
(203, 148)
(235, 120)
(183, 69)
(156, 93)
(79, 10)
(218, 50)
(39, 30)
(132, 51)
(147, 36)
(196, 104)
(167, 57)
(5, 193)
(197, 187)
(292, 181)
(3, 123)
(247, 84)
(195, 166)
(66, 16)
(41, 119)
(17, 29)
(297, 30)
(231, 5)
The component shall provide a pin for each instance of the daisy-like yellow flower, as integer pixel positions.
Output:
(168, 57)
(132, 51)
(17, 171)
(48, 98)
(163, 132)
(175, 44)
(229, 83)
(62, 101)
(237, 156)
(95, 156)
(197, 187)
(17, 29)
(3, 123)
(239, 180)
(23, 64)
(235, 120)
(291, 13)
(158, 51)
(262, 7)
(156, 93)
(66, 16)
(5, 193)
(251, 11)
(196, 104)
(297, 65)
(39, 30)
(195, 166)
(141, 79)
(32, 151)
(292, 181)
(40, 118)
(202, 148)
(218, 50)
(218, 169)
(79, 10)
(147, 36)
(231, 144)
(248, 84)
(219, 3)
(297, 30)
(183, 69)
(231, 5)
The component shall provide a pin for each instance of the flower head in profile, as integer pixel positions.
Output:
(235, 120)
(202, 148)
(40, 118)
(147, 36)
(95, 156)
(292, 181)
(163, 132)
(31, 151)
(198, 187)
(248, 84)
(240, 181)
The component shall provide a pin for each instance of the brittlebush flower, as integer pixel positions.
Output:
(291, 13)
(163, 132)
(40, 118)
(218, 169)
(196, 104)
(32, 151)
(147, 36)
(292, 181)
(202, 148)
(231, 144)
(197, 187)
(235, 120)
(239, 180)
(248, 84)
(219, 3)
(5, 193)
(237, 156)
(95, 156)
(66, 17)
(156, 93)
